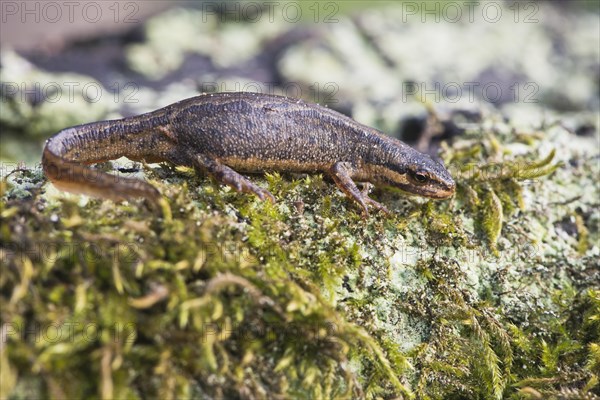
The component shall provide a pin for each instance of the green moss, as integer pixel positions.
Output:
(491, 294)
(226, 295)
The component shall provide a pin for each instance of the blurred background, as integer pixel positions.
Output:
(388, 64)
(507, 90)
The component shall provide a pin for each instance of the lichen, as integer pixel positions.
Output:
(231, 296)
(491, 294)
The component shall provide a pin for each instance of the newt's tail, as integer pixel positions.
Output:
(67, 153)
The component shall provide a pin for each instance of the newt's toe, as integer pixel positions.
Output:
(378, 205)
(270, 196)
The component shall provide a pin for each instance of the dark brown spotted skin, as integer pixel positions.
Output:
(226, 133)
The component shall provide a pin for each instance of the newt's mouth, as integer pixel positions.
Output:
(441, 194)
(444, 192)
(438, 191)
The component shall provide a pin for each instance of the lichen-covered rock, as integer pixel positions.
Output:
(41, 103)
(494, 293)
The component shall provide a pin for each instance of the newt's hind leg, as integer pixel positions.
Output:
(341, 173)
(223, 174)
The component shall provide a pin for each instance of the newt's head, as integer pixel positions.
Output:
(416, 173)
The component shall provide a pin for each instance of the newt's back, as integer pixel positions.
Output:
(242, 129)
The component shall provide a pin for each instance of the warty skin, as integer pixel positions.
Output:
(222, 134)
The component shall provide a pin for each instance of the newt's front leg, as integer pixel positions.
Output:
(223, 174)
(341, 172)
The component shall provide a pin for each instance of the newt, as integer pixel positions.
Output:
(225, 134)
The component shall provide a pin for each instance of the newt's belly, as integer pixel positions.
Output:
(260, 164)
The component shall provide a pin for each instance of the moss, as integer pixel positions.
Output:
(491, 294)
(230, 296)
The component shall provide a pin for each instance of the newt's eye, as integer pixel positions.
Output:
(418, 178)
